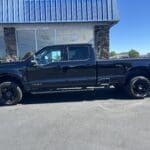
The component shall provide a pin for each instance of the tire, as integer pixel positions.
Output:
(138, 87)
(10, 93)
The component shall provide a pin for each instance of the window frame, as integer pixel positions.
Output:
(66, 49)
(18, 39)
(78, 59)
(53, 48)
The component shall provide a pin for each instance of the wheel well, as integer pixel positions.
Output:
(12, 79)
(137, 72)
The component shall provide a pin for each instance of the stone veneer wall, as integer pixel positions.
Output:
(10, 41)
(102, 41)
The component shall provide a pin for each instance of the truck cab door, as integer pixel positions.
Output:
(47, 74)
(80, 70)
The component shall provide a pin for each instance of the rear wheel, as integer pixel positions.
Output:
(10, 93)
(138, 87)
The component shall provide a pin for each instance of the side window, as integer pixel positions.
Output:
(78, 53)
(56, 56)
(51, 55)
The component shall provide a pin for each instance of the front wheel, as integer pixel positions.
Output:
(10, 93)
(138, 87)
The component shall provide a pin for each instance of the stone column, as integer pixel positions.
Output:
(102, 41)
(10, 41)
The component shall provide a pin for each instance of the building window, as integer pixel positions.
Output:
(45, 38)
(32, 39)
(25, 42)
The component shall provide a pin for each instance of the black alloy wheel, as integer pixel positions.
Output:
(139, 87)
(10, 93)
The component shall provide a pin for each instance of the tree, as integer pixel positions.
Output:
(134, 54)
(112, 54)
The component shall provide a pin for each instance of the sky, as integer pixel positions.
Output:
(133, 30)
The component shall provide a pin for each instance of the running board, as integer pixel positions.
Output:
(64, 90)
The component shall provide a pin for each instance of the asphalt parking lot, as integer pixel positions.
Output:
(100, 120)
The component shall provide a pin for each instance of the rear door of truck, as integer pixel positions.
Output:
(80, 69)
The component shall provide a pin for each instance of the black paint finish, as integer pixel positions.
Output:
(79, 73)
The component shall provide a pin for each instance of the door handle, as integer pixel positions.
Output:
(65, 67)
(118, 65)
(68, 67)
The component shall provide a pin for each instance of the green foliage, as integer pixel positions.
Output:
(134, 54)
(112, 54)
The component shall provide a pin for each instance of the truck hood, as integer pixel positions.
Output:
(12, 65)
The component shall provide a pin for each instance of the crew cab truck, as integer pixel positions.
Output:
(71, 67)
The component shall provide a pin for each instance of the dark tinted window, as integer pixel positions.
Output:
(78, 53)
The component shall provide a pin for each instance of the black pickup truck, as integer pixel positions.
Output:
(71, 67)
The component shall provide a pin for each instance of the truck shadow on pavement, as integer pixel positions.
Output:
(99, 94)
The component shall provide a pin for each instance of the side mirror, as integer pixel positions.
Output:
(34, 62)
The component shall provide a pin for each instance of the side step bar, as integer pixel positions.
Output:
(64, 90)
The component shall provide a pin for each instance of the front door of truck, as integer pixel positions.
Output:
(48, 73)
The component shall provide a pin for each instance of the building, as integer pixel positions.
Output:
(145, 56)
(148, 55)
(29, 25)
(123, 55)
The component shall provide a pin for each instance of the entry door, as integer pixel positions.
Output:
(48, 73)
